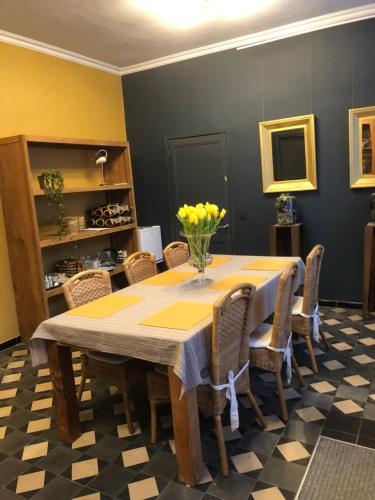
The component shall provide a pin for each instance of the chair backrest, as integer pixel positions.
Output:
(230, 336)
(282, 320)
(86, 286)
(175, 254)
(140, 266)
(312, 275)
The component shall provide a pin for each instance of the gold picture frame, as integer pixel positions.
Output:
(362, 171)
(299, 124)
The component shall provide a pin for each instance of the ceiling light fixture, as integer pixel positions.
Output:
(185, 14)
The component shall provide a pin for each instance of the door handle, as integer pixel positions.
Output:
(223, 227)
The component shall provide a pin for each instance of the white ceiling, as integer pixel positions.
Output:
(118, 33)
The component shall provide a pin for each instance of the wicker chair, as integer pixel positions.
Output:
(305, 318)
(121, 371)
(229, 353)
(175, 254)
(140, 266)
(270, 345)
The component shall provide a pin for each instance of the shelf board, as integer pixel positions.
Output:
(89, 189)
(53, 292)
(74, 142)
(83, 235)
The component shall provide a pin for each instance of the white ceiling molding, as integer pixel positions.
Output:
(52, 50)
(261, 37)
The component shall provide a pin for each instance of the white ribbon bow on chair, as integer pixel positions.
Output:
(316, 322)
(287, 351)
(230, 394)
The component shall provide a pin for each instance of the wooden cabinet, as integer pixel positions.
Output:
(28, 212)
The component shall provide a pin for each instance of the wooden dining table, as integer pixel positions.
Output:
(142, 322)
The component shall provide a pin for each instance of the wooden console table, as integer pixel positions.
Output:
(287, 240)
(369, 269)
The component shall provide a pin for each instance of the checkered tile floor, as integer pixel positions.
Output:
(106, 462)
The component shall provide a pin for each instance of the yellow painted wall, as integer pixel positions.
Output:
(44, 95)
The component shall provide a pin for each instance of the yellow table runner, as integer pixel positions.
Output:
(267, 264)
(228, 282)
(169, 278)
(218, 261)
(181, 315)
(105, 306)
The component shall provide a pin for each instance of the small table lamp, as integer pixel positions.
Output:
(101, 159)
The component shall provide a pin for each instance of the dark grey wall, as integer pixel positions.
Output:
(324, 73)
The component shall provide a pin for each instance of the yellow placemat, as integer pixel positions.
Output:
(181, 315)
(228, 282)
(218, 261)
(169, 278)
(105, 306)
(267, 264)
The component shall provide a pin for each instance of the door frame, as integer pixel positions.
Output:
(170, 177)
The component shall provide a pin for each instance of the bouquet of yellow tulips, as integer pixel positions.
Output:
(199, 224)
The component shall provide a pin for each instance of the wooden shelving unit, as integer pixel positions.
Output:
(22, 159)
(89, 189)
(83, 235)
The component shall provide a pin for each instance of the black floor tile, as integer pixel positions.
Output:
(176, 491)
(8, 495)
(283, 474)
(367, 442)
(369, 413)
(344, 423)
(58, 489)
(14, 442)
(11, 468)
(162, 464)
(234, 487)
(367, 429)
(341, 436)
(357, 394)
(59, 459)
(108, 448)
(259, 441)
(112, 480)
(302, 431)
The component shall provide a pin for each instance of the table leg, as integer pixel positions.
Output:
(297, 241)
(67, 415)
(273, 240)
(186, 431)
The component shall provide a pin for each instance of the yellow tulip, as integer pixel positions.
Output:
(222, 213)
(182, 213)
(193, 219)
(209, 217)
(214, 210)
(201, 212)
(187, 209)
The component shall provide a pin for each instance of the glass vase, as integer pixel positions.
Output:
(198, 248)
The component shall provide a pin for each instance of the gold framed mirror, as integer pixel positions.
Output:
(287, 149)
(362, 147)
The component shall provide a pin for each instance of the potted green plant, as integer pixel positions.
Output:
(52, 183)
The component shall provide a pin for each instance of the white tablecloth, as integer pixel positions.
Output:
(188, 351)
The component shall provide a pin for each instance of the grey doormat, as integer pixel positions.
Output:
(339, 471)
